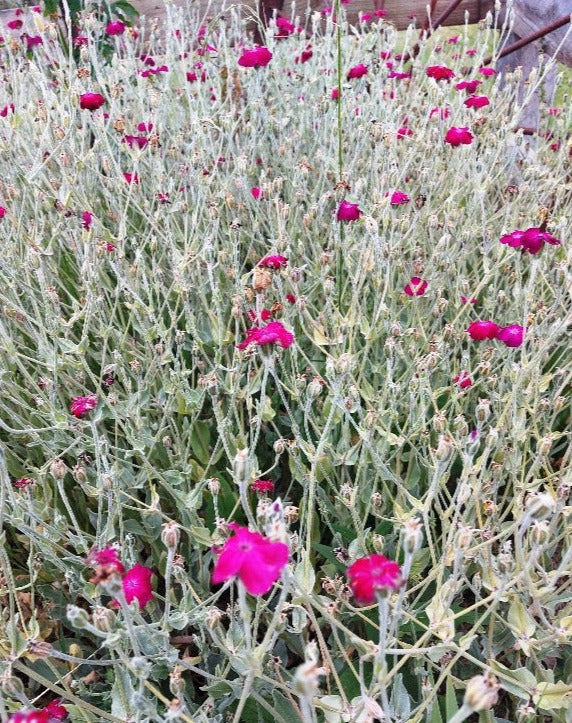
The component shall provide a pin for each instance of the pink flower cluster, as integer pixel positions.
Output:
(512, 335)
(81, 406)
(255, 58)
(273, 333)
(136, 582)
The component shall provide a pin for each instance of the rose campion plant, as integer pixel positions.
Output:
(511, 336)
(416, 286)
(439, 72)
(91, 101)
(358, 71)
(272, 333)
(348, 211)
(81, 406)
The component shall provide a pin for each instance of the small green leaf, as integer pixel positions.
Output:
(552, 696)
(451, 705)
(520, 619)
(202, 535)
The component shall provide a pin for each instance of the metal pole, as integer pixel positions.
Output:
(529, 39)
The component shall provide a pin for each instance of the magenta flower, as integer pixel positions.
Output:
(86, 220)
(33, 716)
(512, 335)
(285, 27)
(2, 211)
(480, 330)
(56, 709)
(335, 94)
(439, 72)
(14, 24)
(108, 557)
(398, 198)
(459, 136)
(274, 261)
(131, 178)
(470, 86)
(132, 141)
(255, 58)
(487, 72)
(137, 585)
(91, 101)
(398, 75)
(371, 575)
(416, 286)
(256, 193)
(9, 108)
(348, 211)
(22, 483)
(357, 71)
(477, 101)
(81, 406)
(442, 112)
(262, 486)
(532, 240)
(467, 300)
(272, 333)
(116, 27)
(254, 559)
(463, 380)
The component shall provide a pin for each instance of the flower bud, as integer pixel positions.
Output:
(481, 693)
(378, 542)
(444, 448)
(103, 619)
(539, 532)
(77, 616)
(412, 535)
(241, 466)
(460, 425)
(213, 484)
(58, 468)
(464, 537)
(545, 446)
(141, 667)
(171, 534)
(314, 388)
(279, 446)
(262, 278)
(540, 505)
(483, 410)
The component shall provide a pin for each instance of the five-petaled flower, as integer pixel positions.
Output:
(463, 380)
(274, 261)
(272, 333)
(91, 101)
(532, 240)
(512, 335)
(416, 286)
(255, 560)
(115, 27)
(398, 198)
(459, 136)
(480, 330)
(440, 72)
(477, 101)
(372, 576)
(255, 58)
(137, 585)
(81, 406)
(348, 211)
(357, 71)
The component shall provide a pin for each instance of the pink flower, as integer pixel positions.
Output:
(477, 101)
(348, 211)
(459, 136)
(116, 27)
(254, 559)
(466, 300)
(274, 261)
(385, 54)
(399, 75)
(403, 132)
(22, 483)
(81, 406)
(443, 112)
(262, 486)
(32, 41)
(512, 335)
(256, 192)
(137, 585)
(131, 178)
(86, 220)
(439, 72)
(56, 709)
(264, 315)
(357, 71)
(463, 380)
(416, 286)
(91, 101)
(14, 24)
(290, 298)
(487, 72)
(398, 198)
(380, 13)
(531, 240)
(468, 85)
(139, 141)
(144, 127)
(33, 716)
(80, 40)
(255, 58)
(2, 211)
(453, 40)
(335, 94)
(108, 557)
(272, 333)
(371, 575)
(304, 56)
(285, 27)
(7, 109)
(480, 330)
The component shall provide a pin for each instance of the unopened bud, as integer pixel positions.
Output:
(481, 692)
(539, 532)
(58, 468)
(412, 535)
(545, 446)
(171, 534)
(241, 466)
(213, 484)
(103, 619)
(77, 616)
(464, 538)
(540, 505)
(279, 446)
(262, 278)
(314, 388)
(483, 410)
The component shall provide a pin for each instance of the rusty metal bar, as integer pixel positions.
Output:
(529, 39)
